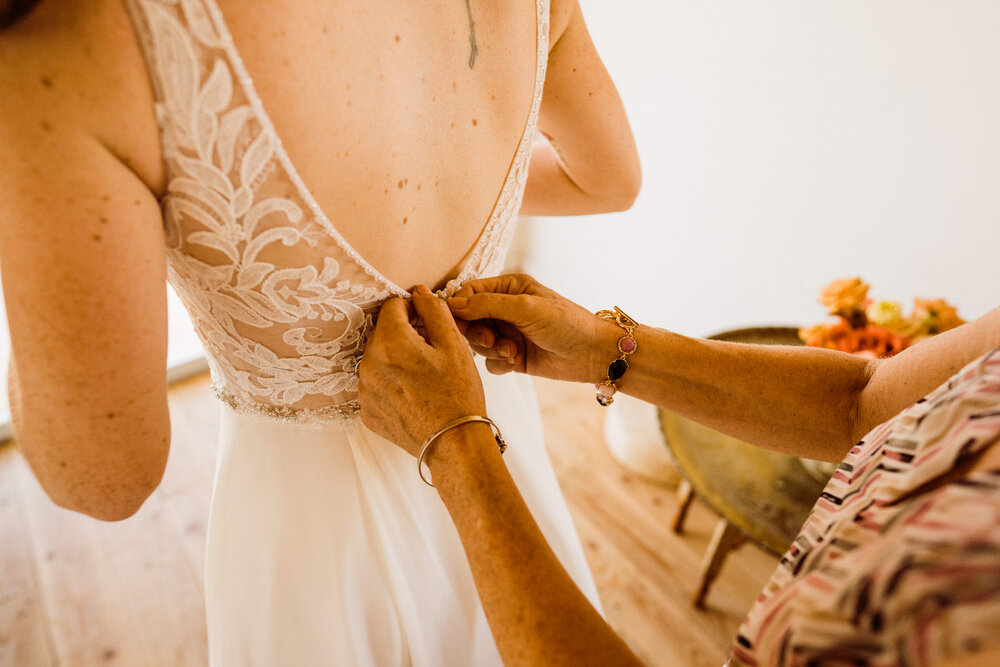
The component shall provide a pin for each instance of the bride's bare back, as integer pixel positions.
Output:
(400, 140)
(401, 118)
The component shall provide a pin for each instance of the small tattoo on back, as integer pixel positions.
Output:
(474, 50)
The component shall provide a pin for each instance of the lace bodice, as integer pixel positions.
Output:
(282, 303)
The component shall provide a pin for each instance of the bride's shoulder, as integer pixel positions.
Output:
(72, 67)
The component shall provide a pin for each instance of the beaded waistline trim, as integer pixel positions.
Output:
(344, 413)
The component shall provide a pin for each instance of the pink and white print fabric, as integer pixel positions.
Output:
(896, 565)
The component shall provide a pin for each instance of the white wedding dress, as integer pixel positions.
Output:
(324, 547)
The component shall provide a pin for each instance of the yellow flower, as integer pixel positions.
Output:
(935, 315)
(842, 297)
(885, 313)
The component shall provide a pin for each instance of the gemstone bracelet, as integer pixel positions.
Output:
(626, 345)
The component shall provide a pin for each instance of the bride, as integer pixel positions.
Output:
(287, 165)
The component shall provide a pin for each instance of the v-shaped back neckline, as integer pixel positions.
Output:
(250, 90)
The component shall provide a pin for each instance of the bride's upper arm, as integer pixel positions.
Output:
(83, 266)
(582, 113)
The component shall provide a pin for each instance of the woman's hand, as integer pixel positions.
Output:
(521, 325)
(410, 385)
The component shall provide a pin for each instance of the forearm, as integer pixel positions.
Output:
(537, 614)
(802, 401)
(588, 162)
(552, 189)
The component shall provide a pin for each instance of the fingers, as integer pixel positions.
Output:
(438, 320)
(503, 350)
(511, 344)
(498, 366)
(479, 334)
(518, 310)
(511, 283)
(395, 313)
(393, 324)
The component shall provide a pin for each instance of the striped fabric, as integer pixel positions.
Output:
(895, 565)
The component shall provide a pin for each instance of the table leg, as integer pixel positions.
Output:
(725, 538)
(685, 495)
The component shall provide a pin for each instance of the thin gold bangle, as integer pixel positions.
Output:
(450, 425)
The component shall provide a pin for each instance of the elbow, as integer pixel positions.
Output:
(104, 509)
(624, 199)
(861, 414)
(621, 191)
(109, 488)
(116, 502)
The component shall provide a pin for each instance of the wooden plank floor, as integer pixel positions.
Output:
(75, 591)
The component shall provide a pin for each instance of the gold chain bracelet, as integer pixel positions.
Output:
(627, 344)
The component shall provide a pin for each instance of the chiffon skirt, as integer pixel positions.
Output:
(325, 548)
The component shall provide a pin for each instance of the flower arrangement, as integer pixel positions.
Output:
(875, 328)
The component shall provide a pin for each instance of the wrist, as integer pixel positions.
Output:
(460, 451)
(603, 349)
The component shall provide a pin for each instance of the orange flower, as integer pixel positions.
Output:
(935, 315)
(875, 329)
(845, 297)
(870, 341)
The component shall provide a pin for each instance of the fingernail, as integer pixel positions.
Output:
(505, 351)
(458, 302)
(422, 290)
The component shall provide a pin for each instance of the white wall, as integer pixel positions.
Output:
(786, 143)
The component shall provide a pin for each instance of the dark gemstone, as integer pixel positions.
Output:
(605, 400)
(617, 369)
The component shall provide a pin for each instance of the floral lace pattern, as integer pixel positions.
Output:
(280, 301)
